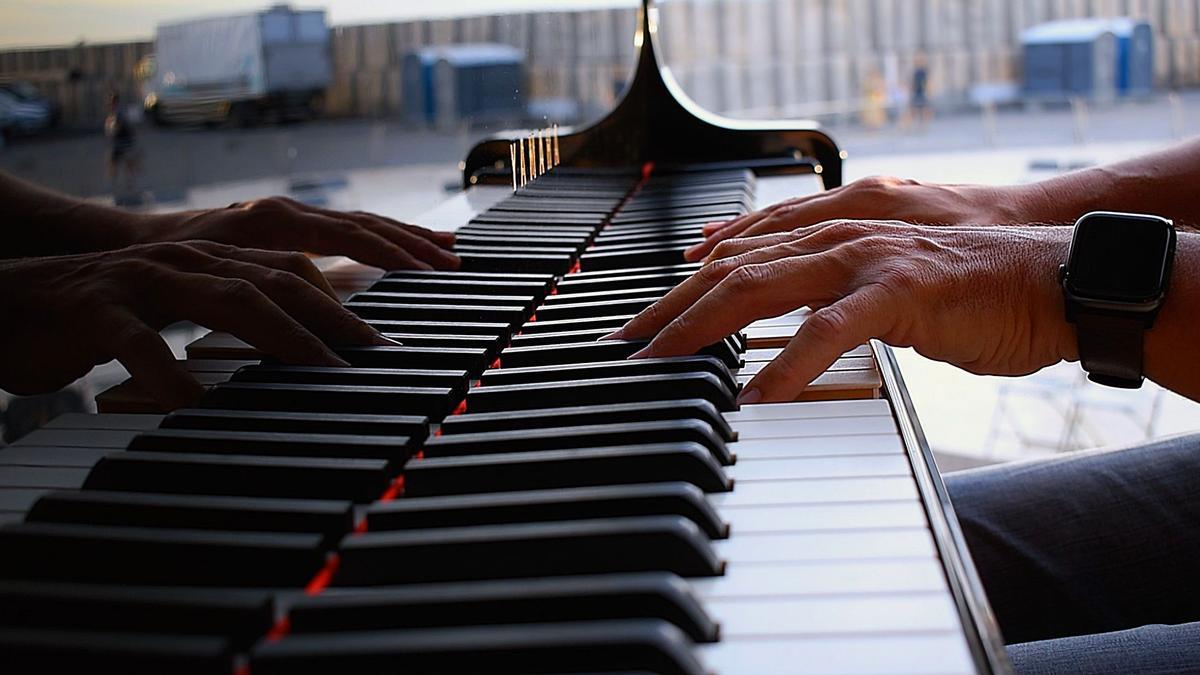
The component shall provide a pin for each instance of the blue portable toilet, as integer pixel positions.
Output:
(1075, 58)
(1135, 57)
(450, 84)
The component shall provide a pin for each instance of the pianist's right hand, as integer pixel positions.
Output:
(885, 198)
(66, 314)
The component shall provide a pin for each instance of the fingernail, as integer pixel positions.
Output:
(641, 353)
(618, 334)
(749, 396)
(691, 252)
(381, 339)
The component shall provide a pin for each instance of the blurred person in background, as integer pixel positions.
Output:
(919, 111)
(83, 283)
(124, 155)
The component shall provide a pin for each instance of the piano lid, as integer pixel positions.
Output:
(656, 121)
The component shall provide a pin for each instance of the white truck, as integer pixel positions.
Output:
(270, 65)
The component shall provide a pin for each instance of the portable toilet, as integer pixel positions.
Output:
(1135, 57)
(448, 85)
(1075, 58)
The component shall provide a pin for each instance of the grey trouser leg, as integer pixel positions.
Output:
(1091, 544)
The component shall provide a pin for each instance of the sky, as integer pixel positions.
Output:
(26, 23)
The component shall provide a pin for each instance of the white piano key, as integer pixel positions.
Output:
(851, 545)
(778, 448)
(818, 491)
(845, 363)
(824, 578)
(849, 466)
(831, 615)
(830, 516)
(920, 654)
(792, 318)
(768, 354)
(809, 410)
(829, 426)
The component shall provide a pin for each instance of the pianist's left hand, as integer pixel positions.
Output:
(282, 224)
(985, 299)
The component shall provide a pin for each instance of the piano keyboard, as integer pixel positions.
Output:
(502, 493)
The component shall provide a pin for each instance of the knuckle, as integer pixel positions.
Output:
(827, 324)
(745, 277)
(725, 248)
(238, 290)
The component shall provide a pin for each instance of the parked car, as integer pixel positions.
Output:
(24, 111)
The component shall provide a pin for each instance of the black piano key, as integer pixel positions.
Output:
(610, 322)
(540, 216)
(379, 377)
(395, 449)
(517, 262)
(718, 198)
(637, 645)
(359, 480)
(241, 615)
(646, 595)
(598, 391)
(465, 286)
(636, 271)
(599, 350)
(461, 275)
(413, 426)
(602, 369)
(599, 259)
(617, 294)
(588, 503)
(492, 343)
(635, 544)
(599, 414)
(586, 436)
(546, 469)
(560, 337)
(471, 359)
(476, 313)
(485, 233)
(498, 330)
(30, 650)
(434, 402)
(669, 214)
(329, 518)
(594, 308)
(573, 285)
(154, 556)
(645, 232)
(404, 297)
(514, 248)
(530, 237)
(659, 240)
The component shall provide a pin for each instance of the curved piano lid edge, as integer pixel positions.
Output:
(979, 621)
(656, 121)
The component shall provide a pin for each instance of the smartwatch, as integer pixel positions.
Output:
(1114, 283)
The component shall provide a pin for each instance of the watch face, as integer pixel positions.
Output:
(1122, 258)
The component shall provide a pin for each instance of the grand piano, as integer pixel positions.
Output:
(503, 493)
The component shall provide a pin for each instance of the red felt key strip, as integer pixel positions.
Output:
(395, 489)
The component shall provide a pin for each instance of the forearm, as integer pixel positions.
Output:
(39, 222)
(1171, 357)
(1163, 183)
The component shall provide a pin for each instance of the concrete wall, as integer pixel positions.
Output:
(743, 57)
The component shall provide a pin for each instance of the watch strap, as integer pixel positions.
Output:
(1110, 348)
